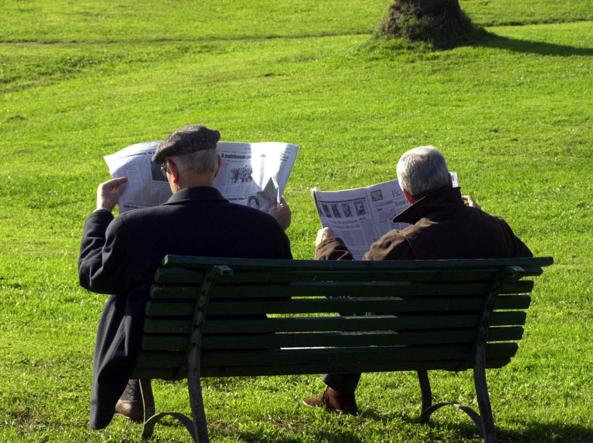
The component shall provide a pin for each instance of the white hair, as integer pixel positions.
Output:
(199, 162)
(422, 170)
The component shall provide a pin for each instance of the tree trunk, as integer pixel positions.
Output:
(441, 22)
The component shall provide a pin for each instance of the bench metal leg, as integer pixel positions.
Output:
(483, 421)
(197, 406)
(487, 420)
(151, 418)
(428, 408)
(152, 421)
(469, 411)
(147, 398)
(426, 395)
(195, 396)
(197, 426)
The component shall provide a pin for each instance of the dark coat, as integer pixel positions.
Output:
(442, 227)
(119, 257)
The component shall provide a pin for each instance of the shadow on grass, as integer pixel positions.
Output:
(532, 47)
(381, 47)
(529, 432)
(542, 432)
(532, 432)
(330, 437)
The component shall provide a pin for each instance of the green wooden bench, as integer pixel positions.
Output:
(206, 318)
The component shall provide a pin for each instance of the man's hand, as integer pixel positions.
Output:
(108, 193)
(322, 235)
(469, 201)
(281, 212)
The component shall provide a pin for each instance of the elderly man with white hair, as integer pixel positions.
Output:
(443, 225)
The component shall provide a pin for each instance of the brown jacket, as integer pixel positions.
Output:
(441, 226)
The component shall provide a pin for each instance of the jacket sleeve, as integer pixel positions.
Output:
(284, 245)
(521, 249)
(102, 261)
(272, 230)
(391, 246)
(516, 247)
(332, 249)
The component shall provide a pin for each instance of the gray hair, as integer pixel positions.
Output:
(422, 170)
(198, 162)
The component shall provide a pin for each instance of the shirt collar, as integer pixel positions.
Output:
(439, 199)
(196, 193)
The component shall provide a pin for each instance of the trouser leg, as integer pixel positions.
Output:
(137, 401)
(132, 391)
(342, 382)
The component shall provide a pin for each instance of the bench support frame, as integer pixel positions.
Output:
(484, 420)
(197, 425)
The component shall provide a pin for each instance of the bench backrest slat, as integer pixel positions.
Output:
(180, 342)
(346, 324)
(166, 308)
(222, 371)
(334, 359)
(183, 276)
(332, 289)
(532, 264)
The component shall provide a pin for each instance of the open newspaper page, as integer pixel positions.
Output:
(253, 174)
(147, 186)
(360, 216)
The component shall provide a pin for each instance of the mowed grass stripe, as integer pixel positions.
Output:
(62, 21)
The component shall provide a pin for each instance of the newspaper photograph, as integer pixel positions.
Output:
(361, 216)
(251, 174)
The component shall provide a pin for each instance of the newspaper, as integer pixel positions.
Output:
(252, 174)
(361, 216)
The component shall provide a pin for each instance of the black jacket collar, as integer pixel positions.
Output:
(197, 193)
(443, 198)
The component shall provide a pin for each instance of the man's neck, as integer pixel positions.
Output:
(191, 181)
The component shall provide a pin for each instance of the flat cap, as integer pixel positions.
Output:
(190, 139)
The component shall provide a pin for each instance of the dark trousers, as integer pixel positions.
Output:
(343, 383)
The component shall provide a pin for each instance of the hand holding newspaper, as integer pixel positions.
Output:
(361, 216)
(252, 174)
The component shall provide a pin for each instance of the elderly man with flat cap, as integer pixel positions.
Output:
(119, 256)
(441, 226)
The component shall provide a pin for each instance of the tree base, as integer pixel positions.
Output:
(439, 22)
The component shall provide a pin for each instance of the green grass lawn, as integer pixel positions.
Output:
(513, 116)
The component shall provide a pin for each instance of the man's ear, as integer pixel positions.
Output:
(218, 165)
(174, 172)
(409, 197)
